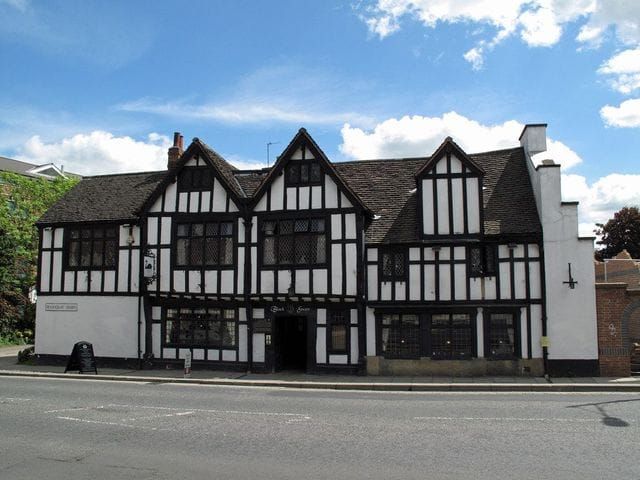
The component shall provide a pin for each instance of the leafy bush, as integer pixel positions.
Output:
(23, 200)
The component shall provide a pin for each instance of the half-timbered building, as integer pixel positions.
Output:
(454, 263)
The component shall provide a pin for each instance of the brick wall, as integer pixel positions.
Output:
(613, 341)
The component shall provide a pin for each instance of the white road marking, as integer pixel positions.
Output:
(178, 414)
(205, 410)
(513, 419)
(14, 399)
(74, 409)
(98, 422)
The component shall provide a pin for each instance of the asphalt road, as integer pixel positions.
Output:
(79, 429)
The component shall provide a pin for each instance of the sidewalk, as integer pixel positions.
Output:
(10, 367)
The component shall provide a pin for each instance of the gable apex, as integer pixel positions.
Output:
(448, 147)
(303, 139)
(223, 170)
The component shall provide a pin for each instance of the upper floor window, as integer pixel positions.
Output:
(300, 241)
(93, 247)
(393, 265)
(194, 179)
(482, 260)
(301, 172)
(204, 244)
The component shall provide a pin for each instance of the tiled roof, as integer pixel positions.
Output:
(386, 187)
(225, 168)
(15, 166)
(104, 198)
(250, 180)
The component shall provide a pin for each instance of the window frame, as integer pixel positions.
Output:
(191, 187)
(277, 236)
(420, 332)
(338, 318)
(424, 327)
(489, 260)
(472, 328)
(396, 253)
(517, 340)
(220, 219)
(191, 311)
(289, 182)
(93, 239)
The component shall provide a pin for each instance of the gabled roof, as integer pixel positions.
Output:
(30, 169)
(303, 138)
(386, 187)
(389, 188)
(445, 148)
(225, 172)
(104, 198)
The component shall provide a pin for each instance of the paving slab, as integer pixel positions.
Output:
(10, 366)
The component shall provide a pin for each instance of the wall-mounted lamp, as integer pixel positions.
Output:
(571, 282)
(130, 239)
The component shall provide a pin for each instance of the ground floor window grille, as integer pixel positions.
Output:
(501, 335)
(400, 335)
(451, 336)
(201, 327)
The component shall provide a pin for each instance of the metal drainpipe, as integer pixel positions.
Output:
(139, 325)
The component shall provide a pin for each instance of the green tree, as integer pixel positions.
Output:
(23, 200)
(620, 232)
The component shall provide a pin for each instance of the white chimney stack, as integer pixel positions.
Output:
(534, 138)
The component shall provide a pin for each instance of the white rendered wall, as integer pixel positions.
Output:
(571, 313)
(109, 323)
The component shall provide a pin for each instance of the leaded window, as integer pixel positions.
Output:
(400, 335)
(300, 241)
(501, 335)
(452, 336)
(482, 260)
(207, 244)
(201, 327)
(338, 331)
(301, 172)
(393, 265)
(92, 247)
(194, 179)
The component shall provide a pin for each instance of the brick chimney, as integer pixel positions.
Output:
(175, 151)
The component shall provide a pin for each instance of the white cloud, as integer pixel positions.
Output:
(600, 200)
(627, 114)
(245, 112)
(285, 93)
(539, 23)
(420, 136)
(625, 67)
(475, 57)
(99, 152)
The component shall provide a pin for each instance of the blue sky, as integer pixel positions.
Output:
(100, 86)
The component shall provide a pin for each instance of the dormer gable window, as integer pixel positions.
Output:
(303, 172)
(195, 179)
